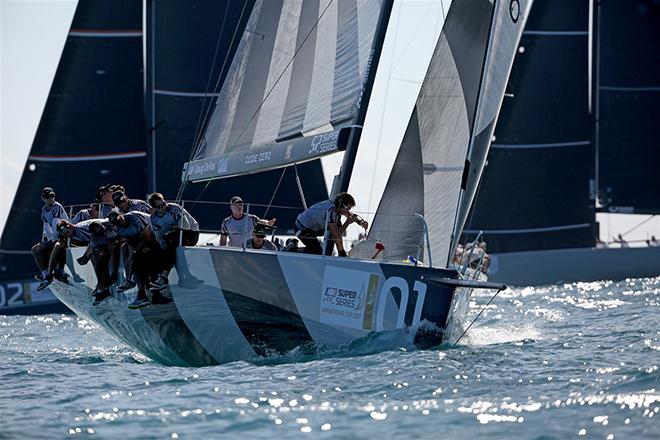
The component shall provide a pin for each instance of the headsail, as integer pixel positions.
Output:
(296, 81)
(452, 123)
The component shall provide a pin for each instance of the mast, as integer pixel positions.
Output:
(596, 101)
(458, 218)
(344, 177)
(150, 101)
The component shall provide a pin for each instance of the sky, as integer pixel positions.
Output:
(32, 34)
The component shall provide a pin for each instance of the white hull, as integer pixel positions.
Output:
(249, 304)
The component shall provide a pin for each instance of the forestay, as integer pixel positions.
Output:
(296, 81)
(450, 128)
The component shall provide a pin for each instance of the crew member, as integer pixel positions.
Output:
(51, 213)
(169, 221)
(135, 228)
(104, 195)
(124, 204)
(92, 212)
(258, 240)
(236, 229)
(312, 222)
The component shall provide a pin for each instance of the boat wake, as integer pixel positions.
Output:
(480, 336)
(406, 339)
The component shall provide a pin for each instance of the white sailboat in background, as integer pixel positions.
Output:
(298, 89)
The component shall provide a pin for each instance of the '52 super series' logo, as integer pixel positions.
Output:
(322, 143)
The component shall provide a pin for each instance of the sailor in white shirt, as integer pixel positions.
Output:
(167, 222)
(124, 204)
(87, 214)
(51, 213)
(236, 229)
(104, 195)
(327, 214)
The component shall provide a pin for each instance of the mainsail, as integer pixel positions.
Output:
(92, 129)
(441, 157)
(541, 172)
(294, 88)
(190, 46)
(628, 106)
(537, 190)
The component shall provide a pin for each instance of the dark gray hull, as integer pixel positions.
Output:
(534, 268)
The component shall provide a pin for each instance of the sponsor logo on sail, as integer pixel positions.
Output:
(323, 143)
(201, 169)
(514, 10)
(223, 163)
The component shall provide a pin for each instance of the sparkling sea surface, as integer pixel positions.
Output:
(566, 361)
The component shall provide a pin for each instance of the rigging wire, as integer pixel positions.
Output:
(382, 114)
(267, 95)
(638, 225)
(477, 317)
(270, 203)
(205, 100)
(300, 188)
(201, 122)
(293, 57)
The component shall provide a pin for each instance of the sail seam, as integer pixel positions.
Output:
(558, 33)
(546, 145)
(105, 33)
(529, 230)
(630, 89)
(87, 157)
(185, 94)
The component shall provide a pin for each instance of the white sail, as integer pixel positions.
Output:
(296, 81)
(472, 59)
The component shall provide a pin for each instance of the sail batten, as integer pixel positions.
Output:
(295, 83)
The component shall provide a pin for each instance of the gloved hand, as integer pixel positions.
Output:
(342, 253)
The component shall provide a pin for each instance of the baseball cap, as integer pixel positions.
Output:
(101, 190)
(236, 199)
(117, 196)
(47, 192)
(261, 230)
(113, 216)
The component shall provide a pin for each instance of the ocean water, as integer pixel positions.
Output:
(566, 361)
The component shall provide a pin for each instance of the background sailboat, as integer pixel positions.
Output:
(115, 116)
(574, 139)
(92, 131)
